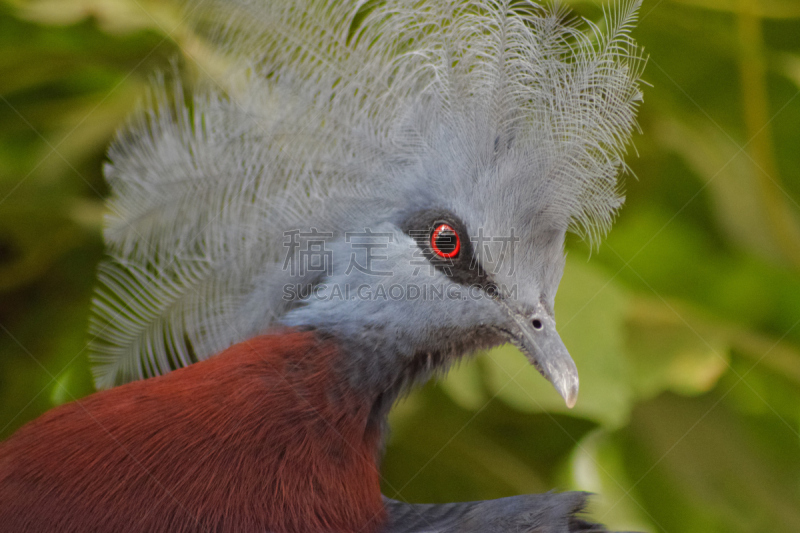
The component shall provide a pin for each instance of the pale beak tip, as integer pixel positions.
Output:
(569, 391)
(571, 398)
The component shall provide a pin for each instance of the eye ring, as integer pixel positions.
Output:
(445, 241)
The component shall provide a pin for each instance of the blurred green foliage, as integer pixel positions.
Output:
(684, 324)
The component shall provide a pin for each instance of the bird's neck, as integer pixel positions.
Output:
(383, 366)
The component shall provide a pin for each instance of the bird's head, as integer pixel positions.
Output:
(465, 255)
(402, 180)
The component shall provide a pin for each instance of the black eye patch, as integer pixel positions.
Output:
(446, 244)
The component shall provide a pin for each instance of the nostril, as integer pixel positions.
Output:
(537, 324)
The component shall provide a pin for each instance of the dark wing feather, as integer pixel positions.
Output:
(533, 513)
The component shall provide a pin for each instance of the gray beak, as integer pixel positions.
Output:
(534, 333)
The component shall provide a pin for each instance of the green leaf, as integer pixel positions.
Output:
(670, 349)
(697, 466)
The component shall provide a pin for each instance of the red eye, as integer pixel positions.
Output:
(445, 241)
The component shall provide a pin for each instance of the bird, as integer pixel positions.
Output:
(364, 195)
